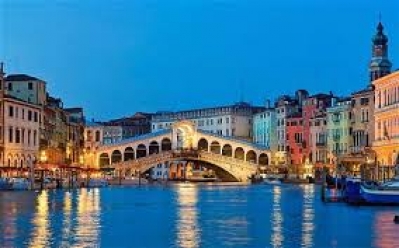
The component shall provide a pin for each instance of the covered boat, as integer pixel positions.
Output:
(386, 193)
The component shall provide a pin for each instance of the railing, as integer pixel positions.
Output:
(229, 163)
(321, 143)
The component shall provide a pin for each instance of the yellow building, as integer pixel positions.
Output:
(386, 115)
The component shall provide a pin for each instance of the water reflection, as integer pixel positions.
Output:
(308, 215)
(41, 232)
(66, 220)
(277, 237)
(188, 234)
(386, 232)
(88, 225)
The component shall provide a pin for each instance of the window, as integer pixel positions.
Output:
(10, 111)
(17, 136)
(34, 137)
(29, 132)
(35, 115)
(10, 135)
(23, 136)
(30, 86)
(23, 113)
(10, 86)
(227, 132)
(29, 115)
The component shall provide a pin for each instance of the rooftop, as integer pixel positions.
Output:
(19, 78)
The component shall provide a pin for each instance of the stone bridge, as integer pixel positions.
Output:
(183, 141)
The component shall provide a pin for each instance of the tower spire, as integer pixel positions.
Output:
(380, 64)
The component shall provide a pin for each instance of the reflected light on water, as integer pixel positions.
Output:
(385, 230)
(308, 215)
(66, 223)
(88, 217)
(188, 234)
(277, 237)
(41, 232)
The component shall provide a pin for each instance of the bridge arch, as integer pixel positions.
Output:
(141, 151)
(215, 147)
(251, 156)
(203, 144)
(153, 148)
(263, 159)
(128, 154)
(239, 153)
(116, 156)
(166, 144)
(227, 150)
(104, 160)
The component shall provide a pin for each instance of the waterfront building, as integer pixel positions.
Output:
(20, 121)
(233, 120)
(53, 137)
(138, 124)
(295, 141)
(160, 171)
(386, 119)
(339, 118)
(318, 139)
(264, 129)
(75, 136)
(22, 124)
(286, 106)
(26, 88)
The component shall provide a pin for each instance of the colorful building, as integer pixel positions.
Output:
(386, 118)
(339, 118)
(264, 129)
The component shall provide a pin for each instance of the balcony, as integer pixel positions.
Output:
(321, 143)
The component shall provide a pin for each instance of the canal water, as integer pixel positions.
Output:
(188, 215)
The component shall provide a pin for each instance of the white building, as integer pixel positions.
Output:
(234, 120)
(22, 123)
(160, 171)
(26, 88)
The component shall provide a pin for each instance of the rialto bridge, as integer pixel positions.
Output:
(240, 159)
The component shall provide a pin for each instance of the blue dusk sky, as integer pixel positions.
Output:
(117, 57)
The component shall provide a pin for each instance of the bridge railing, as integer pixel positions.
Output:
(194, 154)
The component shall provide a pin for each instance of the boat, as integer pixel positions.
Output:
(272, 180)
(386, 193)
(97, 183)
(4, 184)
(18, 183)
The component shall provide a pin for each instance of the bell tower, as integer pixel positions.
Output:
(380, 64)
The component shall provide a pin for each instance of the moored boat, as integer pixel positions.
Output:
(386, 193)
(18, 183)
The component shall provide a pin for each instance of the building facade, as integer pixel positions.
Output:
(22, 124)
(75, 136)
(386, 119)
(264, 129)
(231, 121)
(318, 139)
(136, 125)
(339, 118)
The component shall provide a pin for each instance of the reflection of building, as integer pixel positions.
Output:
(233, 120)
(386, 116)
